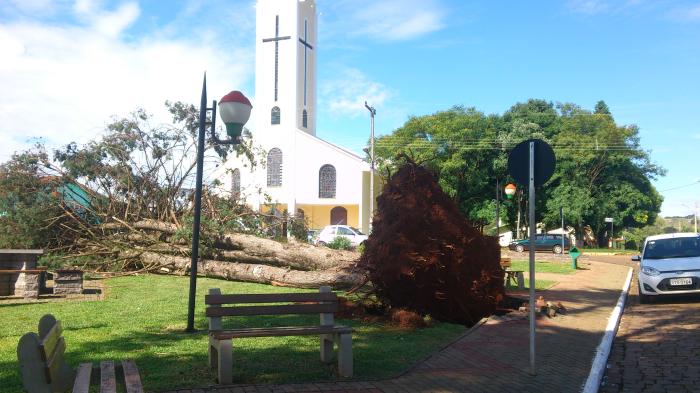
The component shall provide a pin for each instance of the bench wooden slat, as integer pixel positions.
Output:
(132, 379)
(16, 271)
(53, 364)
(270, 298)
(272, 310)
(82, 379)
(279, 331)
(50, 341)
(108, 379)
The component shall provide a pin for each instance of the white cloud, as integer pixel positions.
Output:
(346, 95)
(65, 82)
(691, 14)
(589, 7)
(388, 20)
(34, 7)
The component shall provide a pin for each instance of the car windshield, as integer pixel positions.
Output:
(679, 247)
(357, 231)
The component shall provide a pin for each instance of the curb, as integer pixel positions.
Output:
(603, 351)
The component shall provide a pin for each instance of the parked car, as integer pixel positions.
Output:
(330, 232)
(669, 265)
(543, 242)
(311, 235)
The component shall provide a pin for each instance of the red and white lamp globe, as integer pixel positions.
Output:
(510, 190)
(234, 108)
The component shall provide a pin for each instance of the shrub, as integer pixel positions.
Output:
(340, 243)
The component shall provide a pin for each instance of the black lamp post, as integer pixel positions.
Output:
(235, 112)
(509, 191)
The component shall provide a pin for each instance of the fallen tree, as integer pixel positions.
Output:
(424, 256)
(120, 204)
(336, 277)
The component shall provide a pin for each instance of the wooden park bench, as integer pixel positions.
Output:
(324, 303)
(44, 369)
(516, 276)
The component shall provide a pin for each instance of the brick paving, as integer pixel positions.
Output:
(494, 357)
(657, 347)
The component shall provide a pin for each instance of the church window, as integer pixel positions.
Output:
(326, 182)
(235, 184)
(275, 115)
(274, 168)
(304, 119)
(339, 216)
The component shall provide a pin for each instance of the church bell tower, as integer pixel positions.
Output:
(285, 66)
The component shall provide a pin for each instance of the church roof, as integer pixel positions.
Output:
(334, 147)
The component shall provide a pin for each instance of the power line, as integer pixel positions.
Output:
(683, 186)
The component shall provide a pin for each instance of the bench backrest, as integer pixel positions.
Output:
(324, 303)
(41, 361)
(505, 262)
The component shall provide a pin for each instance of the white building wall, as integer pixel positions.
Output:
(303, 153)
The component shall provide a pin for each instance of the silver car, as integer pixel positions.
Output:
(669, 265)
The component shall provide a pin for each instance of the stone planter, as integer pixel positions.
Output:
(68, 282)
(20, 284)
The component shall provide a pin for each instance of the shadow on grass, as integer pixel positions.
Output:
(169, 358)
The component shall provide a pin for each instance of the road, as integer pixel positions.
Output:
(657, 347)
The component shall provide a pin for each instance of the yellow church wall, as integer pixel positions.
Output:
(281, 207)
(318, 216)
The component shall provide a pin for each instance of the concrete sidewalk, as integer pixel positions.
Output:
(494, 357)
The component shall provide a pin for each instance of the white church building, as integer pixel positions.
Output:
(300, 172)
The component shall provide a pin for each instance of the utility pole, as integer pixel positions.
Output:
(372, 112)
(498, 211)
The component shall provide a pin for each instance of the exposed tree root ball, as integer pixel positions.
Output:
(425, 257)
(407, 320)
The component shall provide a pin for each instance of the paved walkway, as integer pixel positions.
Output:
(495, 356)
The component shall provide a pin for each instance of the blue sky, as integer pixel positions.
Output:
(67, 66)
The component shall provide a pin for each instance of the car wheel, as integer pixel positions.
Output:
(557, 249)
(322, 244)
(519, 248)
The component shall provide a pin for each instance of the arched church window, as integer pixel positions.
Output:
(339, 216)
(304, 119)
(274, 168)
(326, 181)
(275, 115)
(236, 184)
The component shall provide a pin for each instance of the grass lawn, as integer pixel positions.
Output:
(143, 318)
(540, 285)
(608, 251)
(544, 266)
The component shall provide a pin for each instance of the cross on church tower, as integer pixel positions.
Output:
(276, 39)
(306, 46)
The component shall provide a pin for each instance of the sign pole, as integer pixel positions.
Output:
(561, 215)
(532, 225)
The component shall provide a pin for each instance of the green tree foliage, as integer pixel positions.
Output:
(602, 170)
(28, 200)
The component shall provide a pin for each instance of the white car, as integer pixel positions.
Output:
(330, 232)
(669, 265)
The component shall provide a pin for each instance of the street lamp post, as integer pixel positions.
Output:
(235, 112)
(372, 112)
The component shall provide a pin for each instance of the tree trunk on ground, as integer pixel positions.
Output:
(251, 249)
(243, 248)
(335, 277)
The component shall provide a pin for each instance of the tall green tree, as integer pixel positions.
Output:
(602, 169)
